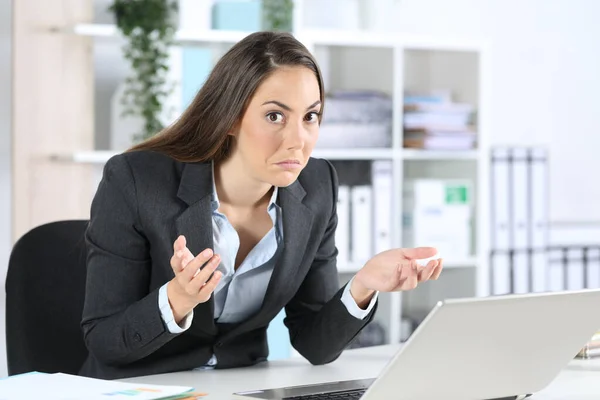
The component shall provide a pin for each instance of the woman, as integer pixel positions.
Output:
(200, 236)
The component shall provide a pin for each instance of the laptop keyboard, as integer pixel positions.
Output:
(341, 395)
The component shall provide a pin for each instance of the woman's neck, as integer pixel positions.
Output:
(237, 189)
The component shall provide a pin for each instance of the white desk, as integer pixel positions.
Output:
(579, 381)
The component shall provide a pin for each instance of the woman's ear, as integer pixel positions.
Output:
(234, 131)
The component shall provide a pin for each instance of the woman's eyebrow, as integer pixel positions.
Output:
(288, 108)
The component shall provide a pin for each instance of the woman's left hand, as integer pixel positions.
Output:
(395, 270)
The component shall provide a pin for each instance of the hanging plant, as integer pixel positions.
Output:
(278, 15)
(149, 29)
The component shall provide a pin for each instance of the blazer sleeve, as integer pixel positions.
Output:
(121, 319)
(319, 323)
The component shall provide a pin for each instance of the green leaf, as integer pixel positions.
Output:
(148, 27)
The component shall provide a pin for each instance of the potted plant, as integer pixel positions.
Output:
(278, 15)
(148, 27)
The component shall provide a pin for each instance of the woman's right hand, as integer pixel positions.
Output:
(191, 285)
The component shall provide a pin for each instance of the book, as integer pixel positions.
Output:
(65, 386)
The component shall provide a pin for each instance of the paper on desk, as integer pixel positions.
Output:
(70, 387)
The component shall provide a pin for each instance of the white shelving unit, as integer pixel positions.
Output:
(390, 63)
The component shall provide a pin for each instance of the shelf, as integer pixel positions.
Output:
(210, 36)
(316, 37)
(320, 37)
(354, 154)
(85, 157)
(331, 37)
(450, 155)
(101, 156)
(441, 43)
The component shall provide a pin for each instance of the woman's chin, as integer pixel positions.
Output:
(285, 179)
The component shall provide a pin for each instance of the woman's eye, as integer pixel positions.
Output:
(275, 117)
(312, 117)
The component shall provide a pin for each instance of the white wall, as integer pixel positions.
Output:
(545, 81)
(5, 161)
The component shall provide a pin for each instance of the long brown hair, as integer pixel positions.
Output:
(201, 133)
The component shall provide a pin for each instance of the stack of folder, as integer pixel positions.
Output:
(591, 348)
(356, 119)
(435, 122)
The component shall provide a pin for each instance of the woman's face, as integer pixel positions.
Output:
(278, 131)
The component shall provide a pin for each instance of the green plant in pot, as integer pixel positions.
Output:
(278, 15)
(149, 29)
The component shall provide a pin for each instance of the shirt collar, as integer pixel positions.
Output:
(215, 197)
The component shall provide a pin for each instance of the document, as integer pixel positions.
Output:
(71, 387)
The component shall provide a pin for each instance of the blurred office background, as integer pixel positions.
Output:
(476, 118)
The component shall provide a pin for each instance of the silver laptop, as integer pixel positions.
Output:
(500, 347)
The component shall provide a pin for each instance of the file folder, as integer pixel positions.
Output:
(342, 233)
(382, 205)
(500, 263)
(362, 225)
(538, 221)
(520, 208)
(519, 260)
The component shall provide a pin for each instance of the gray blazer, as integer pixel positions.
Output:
(144, 201)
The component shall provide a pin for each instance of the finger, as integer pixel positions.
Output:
(200, 259)
(179, 243)
(204, 275)
(404, 270)
(186, 257)
(426, 272)
(438, 270)
(175, 262)
(192, 267)
(210, 286)
(408, 276)
(180, 258)
(412, 280)
(417, 253)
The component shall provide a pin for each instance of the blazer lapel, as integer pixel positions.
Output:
(195, 223)
(297, 221)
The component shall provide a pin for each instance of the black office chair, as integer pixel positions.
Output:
(45, 287)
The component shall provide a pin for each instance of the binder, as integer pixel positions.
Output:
(519, 222)
(555, 277)
(500, 265)
(520, 218)
(593, 268)
(573, 269)
(342, 233)
(382, 205)
(361, 225)
(538, 221)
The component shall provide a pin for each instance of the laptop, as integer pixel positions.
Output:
(498, 347)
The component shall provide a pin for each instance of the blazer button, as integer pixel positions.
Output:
(219, 344)
(137, 337)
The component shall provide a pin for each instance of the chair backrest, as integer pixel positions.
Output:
(45, 289)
